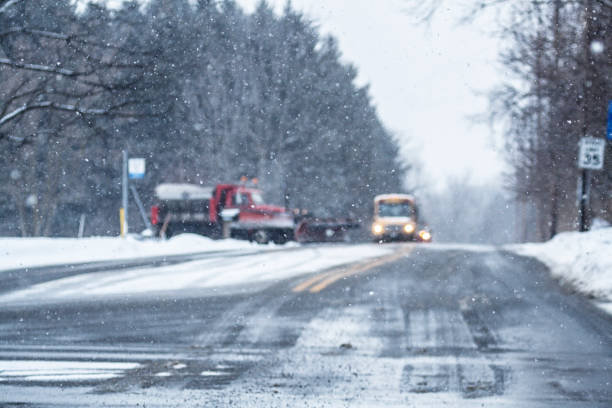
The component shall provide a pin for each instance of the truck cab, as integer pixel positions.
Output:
(251, 219)
(226, 196)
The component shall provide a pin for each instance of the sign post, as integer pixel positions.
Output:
(123, 211)
(590, 157)
(132, 169)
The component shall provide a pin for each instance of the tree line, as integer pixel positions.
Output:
(559, 61)
(556, 59)
(204, 91)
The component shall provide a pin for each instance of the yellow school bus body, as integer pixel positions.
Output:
(395, 217)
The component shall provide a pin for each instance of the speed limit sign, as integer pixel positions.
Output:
(591, 153)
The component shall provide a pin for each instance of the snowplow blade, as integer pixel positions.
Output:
(324, 229)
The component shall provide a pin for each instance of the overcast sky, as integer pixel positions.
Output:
(424, 79)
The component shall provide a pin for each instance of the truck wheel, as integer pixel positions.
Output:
(261, 237)
(280, 238)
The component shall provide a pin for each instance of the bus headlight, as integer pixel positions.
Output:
(377, 229)
(408, 228)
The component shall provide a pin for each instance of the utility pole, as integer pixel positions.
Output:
(123, 212)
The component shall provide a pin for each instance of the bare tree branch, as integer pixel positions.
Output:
(8, 4)
(42, 33)
(41, 68)
(73, 39)
(112, 111)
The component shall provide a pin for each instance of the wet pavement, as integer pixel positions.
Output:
(424, 326)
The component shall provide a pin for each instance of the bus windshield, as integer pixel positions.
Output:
(395, 209)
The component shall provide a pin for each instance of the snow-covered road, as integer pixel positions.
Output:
(217, 271)
(424, 325)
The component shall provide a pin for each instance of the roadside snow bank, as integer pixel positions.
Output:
(581, 259)
(29, 252)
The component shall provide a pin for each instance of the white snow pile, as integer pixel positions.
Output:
(29, 252)
(581, 259)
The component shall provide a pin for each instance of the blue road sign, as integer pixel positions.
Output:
(136, 168)
(609, 132)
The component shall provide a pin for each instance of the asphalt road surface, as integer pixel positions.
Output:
(425, 326)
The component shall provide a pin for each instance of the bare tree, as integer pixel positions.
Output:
(64, 63)
(558, 93)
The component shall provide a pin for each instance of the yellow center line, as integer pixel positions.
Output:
(357, 269)
(304, 285)
(320, 282)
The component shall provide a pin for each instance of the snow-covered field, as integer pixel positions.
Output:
(582, 260)
(29, 252)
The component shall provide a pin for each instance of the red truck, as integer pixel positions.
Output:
(226, 210)
(237, 211)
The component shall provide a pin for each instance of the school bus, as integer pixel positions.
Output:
(396, 218)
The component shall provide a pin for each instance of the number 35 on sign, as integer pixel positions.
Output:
(591, 153)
